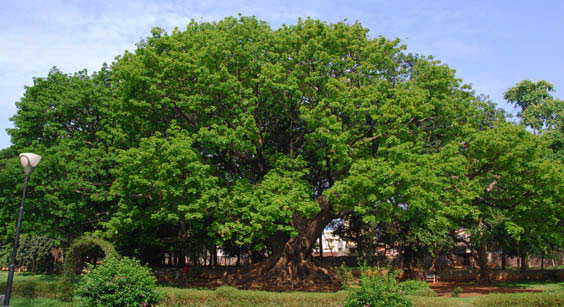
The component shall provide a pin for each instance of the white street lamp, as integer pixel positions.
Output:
(29, 161)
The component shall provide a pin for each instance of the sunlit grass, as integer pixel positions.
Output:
(41, 290)
(37, 302)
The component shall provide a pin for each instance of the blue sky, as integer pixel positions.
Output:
(491, 44)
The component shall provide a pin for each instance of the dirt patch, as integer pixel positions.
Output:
(473, 289)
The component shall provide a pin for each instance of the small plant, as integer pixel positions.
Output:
(456, 291)
(118, 282)
(376, 289)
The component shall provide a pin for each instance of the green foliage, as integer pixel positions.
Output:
(528, 93)
(118, 282)
(502, 185)
(66, 119)
(456, 291)
(74, 261)
(34, 253)
(273, 122)
(233, 133)
(376, 288)
(5, 255)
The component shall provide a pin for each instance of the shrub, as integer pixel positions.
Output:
(456, 291)
(376, 289)
(118, 282)
(34, 253)
(5, 254)
(416, 287)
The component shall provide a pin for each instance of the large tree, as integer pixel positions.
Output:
(297, 126)
(234, 134)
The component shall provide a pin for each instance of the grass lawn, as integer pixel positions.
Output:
(38, 302)
(41, 290)
(536, 285)
(229, 296)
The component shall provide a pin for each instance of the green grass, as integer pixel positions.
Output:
(422, 301)
(31, 285)
(37, 302)
(228, 296)
(535, 285)
(25, 276)
(41, 290)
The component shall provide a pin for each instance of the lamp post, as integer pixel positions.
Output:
(29, 161)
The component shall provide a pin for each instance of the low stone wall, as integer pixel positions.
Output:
(499, 275)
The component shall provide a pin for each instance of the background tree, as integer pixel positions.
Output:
(539, 109)
(67, 120)
(502, 177)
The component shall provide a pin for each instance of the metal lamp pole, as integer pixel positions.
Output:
(29, 161)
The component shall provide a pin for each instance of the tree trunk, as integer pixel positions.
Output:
(482, 254)
(485, 271)
(214, 255)
(276, 243)
(503, 261)
(524, 264)
(433, 264)
(321, 246)
(294, 267)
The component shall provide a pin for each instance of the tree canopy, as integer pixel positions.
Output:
(232, 133)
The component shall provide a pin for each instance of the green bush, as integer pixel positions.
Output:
(456, 291)
(416, 287)
(376, 289)
(34, 253)
(118, 282)
(5, 254)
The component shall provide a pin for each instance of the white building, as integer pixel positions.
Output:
(333, 245)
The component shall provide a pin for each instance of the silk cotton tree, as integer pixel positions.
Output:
(239, 135)
(297, 126)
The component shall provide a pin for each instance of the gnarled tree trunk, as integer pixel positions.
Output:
(293, 266)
